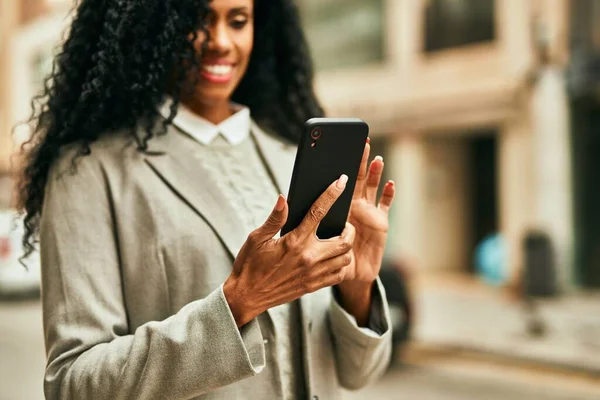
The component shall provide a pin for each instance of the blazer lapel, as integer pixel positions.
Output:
(278, 157)
(170, 157)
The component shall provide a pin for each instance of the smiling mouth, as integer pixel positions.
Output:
(217, 73)
(218, 70)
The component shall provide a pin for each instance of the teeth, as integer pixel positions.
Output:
(217, 69)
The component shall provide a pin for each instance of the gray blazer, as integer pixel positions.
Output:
(135, 248)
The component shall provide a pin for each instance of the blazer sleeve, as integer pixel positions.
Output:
(91, 352)
(362, 354)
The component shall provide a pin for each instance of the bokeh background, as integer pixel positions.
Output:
(487, 114)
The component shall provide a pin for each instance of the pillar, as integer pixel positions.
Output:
(406, 160)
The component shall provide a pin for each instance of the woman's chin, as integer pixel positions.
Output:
(213, 97)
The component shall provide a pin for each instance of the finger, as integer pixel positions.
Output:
(324, 269)
(387, 197)
(320, 208)
(274, 222)
(336, 277)
(329, 279)
(331, 248)
(373, 179)
(361, 179)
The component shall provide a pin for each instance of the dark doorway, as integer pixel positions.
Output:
(484, 178)
(585, 113)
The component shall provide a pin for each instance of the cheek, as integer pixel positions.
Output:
(246, 45)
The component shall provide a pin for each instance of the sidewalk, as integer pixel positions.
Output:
(459, 312)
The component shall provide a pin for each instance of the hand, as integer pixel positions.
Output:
(370, 218)
(268, 272)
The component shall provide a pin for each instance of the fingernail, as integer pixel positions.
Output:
(379, 158)
(341, 183)
(368, 139)
(280, 203)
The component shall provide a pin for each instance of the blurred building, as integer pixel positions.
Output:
(29, 33)
(484, 110)
(483, 127)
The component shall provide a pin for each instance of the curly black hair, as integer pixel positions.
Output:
(117, 61)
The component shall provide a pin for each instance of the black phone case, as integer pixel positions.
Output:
(338, 151)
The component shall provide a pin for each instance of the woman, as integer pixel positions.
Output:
(155, 198)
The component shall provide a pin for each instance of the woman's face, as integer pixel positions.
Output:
(231, 28)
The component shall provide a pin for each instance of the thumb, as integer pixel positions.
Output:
(276, 219)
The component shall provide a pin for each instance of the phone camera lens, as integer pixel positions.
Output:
(316, 133)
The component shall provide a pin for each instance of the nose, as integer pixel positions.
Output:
(220, 41)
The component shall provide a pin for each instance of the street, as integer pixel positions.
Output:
(425, 375)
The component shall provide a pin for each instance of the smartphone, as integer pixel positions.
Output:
(328, 148)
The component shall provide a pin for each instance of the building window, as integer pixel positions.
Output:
(344, 33)
(455, 23)
(38, 68)
(584, 69)
(585, 30)
(41, 67)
